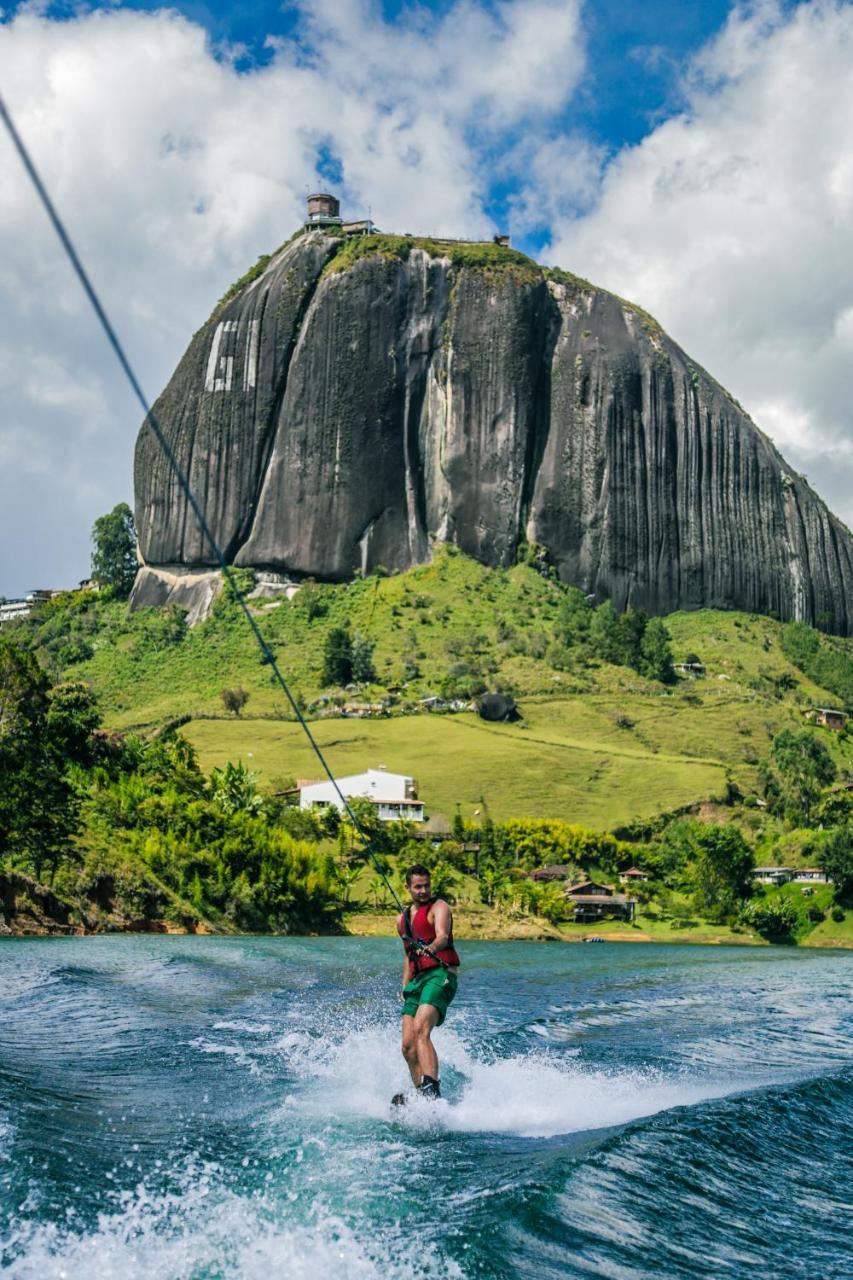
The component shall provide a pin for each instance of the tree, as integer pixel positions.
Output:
(378, 891)
(656, 653)
(574, 618)
(804, 768)
(337, 657)
(836, 859)
(234, 700)
(347, 877)
(721, 869)
(362, 660)
(604, 633)
(72, 718)
(39, 808)
(492, 884)
(631, 633)
(114, 558)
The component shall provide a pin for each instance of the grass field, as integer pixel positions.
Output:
(461, 760)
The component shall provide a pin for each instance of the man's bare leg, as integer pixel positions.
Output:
(425, 1020)
(410, 1048)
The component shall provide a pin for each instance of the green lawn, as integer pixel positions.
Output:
(459, 759)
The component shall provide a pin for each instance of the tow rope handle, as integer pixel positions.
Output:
(418, 943)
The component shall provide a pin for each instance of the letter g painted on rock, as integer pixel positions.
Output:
(220, 363)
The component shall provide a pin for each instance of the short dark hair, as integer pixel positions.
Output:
(416, 870)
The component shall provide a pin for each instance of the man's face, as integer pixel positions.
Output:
(419, 889)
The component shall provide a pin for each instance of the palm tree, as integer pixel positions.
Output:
(347, 878)
(378, 891)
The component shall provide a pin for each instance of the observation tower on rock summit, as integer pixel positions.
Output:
(324, 210)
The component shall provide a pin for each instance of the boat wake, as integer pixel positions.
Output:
(534, 1095)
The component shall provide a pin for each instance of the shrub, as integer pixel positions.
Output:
(76, 650)
(837, 914)
(234, 700)
(363, 670)
(775, 919)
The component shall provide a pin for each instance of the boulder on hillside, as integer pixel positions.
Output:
(497, 706)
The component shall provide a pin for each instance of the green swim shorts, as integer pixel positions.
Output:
(435, 986)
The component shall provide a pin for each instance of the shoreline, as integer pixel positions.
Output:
(376, 925)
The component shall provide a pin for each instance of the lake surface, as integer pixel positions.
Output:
(182, 1108)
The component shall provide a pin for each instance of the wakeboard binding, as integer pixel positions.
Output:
(428, 1088)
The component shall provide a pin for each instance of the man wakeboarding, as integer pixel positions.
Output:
(430, 966)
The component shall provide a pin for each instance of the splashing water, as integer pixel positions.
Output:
(201, 1108)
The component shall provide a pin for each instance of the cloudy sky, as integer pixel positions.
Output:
(697, 158)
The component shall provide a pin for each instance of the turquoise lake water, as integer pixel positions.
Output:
(182, 1108)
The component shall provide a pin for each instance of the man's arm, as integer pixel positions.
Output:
(442, 922)
(407, 971)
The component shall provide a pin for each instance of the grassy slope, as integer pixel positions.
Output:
(568, 758)
(459, 759)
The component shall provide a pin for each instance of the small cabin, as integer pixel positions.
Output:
(695, 670)
(829, 718)
(595, 901)
(773, 875)
(810, 875)
(633, 876)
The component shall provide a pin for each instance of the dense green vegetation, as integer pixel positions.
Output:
(617, 759)
(476, 254)
(826, 660)
(130, 828)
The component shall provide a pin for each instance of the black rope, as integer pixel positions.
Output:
(151, 418)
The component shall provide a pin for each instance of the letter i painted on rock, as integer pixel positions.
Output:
(250, 366)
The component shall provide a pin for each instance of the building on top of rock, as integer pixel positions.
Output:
(324, 210)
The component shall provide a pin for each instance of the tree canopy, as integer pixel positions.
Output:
(114, 557)
(803, 767)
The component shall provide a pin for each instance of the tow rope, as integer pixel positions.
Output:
(180, 476)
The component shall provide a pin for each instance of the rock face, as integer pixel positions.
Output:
(344, 409)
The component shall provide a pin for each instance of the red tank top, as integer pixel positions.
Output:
(419, 926)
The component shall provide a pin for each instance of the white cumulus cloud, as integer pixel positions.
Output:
(732, 222)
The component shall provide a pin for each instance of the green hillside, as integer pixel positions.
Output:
(597, 743)
(610, 739)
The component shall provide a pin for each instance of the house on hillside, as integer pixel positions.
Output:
(12, 610)
(773, 875)
(633, 876)
(394, 794)
(595, 901)
(693, 669)
(432, 702)
(828, 718)
(364, 710)
(553, 873)
(810, 875)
